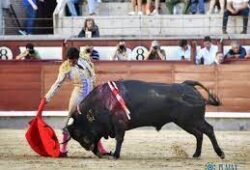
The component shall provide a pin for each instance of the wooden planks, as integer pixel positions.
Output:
(234, 83)
(23, 84)
(20, 86)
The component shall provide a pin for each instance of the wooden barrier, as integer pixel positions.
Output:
(23, 84)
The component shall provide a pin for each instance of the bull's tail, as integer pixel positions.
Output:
(212, 98)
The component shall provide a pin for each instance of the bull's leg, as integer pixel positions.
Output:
(119, 140)
(198, 135)
(119, 136)
(199, 139)
(209, 131)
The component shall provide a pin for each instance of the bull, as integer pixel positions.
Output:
(150, 104)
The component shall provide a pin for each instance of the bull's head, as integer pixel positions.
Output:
(81, 129)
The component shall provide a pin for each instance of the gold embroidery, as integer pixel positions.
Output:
(65, 67)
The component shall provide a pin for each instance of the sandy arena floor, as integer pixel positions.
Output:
(142, 149)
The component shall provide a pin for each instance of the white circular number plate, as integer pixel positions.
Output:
(139, 53)
(5, 53)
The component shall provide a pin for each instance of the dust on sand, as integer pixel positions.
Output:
(142, 149)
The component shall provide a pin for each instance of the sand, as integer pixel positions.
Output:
(142, 149)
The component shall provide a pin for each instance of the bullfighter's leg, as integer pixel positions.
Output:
(209, 131)
(102, 149)
(74, 100)
(65, 138)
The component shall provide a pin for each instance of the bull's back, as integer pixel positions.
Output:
(157, 103)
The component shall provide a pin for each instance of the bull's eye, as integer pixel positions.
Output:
(86, 140)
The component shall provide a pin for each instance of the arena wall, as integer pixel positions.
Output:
(23, 84)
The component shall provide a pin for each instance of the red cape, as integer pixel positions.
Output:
(41, 137)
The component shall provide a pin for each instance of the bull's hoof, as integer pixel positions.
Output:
(222, 156)
(196, 155)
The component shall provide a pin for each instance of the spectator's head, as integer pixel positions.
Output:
(183, 44)
(235, 46)
(89, 53)
(155, 45)
(219, 57)
(88, 50)
(89, 24)
(207, 42)
(122, 46)
(30, 48)
(72, 55)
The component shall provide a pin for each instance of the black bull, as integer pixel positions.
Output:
(150, 104)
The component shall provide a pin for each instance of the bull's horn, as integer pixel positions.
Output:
(78, 110)
(70, 121)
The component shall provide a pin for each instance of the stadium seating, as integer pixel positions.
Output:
(113, 21)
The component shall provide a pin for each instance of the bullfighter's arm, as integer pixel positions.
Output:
(63, 71)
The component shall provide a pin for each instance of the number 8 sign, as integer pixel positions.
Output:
(5, 53)
(139, 53)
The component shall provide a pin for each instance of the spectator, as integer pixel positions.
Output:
(155, 52)
(207, 54)
(213, 3)
(248, 54)
(29, 54)
(72, 6)
(45, 13)
(156, 10)
(90, 29)
(90, 53)
(236, 51)
(172, 3)
(200, 4)
(92, 6)
(137, 3)
(236, 7)
(184, 50)
(219, 58)
(31, 8)
(1, 18)
(122, 52)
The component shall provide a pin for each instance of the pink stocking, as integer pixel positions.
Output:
(63, 147)
(101, 148)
